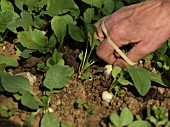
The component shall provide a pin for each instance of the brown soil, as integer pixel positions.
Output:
(63, 102)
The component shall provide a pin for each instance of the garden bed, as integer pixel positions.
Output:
(90, 90)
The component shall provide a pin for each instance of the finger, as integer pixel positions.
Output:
(139, 51)
(105, 52)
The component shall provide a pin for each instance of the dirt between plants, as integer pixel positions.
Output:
(63, 102)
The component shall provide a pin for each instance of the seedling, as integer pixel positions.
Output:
(126, 118)
(79, 103)
(157, 116)
(7, 110)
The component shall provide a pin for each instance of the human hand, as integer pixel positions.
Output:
(147, 24)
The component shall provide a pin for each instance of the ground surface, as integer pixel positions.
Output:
(63, 103)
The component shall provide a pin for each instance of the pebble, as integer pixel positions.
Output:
(161, 90)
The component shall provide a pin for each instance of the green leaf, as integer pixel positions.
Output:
(59, 26)
(8, 61)
(58, 76)
(31, 5)
(119, 4)
(49, 121)
(108, 7)
(160, 51)
(39, 22)
(56, 58)
(115, 119)
(22, 51)
(116, 70)
(63, 7)
(6, 5)
(30, 120)
(158, 78)
(25, 21)
(141, 79)
(88, 15)
(76, 33)
(5, 18)
(28, 101)
(126, 117)
(140, 123)
(34, 40)
(16, 84)
(95, 3)
(86, 75)
(125, 82)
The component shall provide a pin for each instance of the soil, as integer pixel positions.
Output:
(64, 102)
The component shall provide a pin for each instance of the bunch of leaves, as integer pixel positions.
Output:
(127, 119)
(140, 78)
(7, 110)
(157, 116)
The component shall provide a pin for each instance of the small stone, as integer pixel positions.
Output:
(161, 90)
(105, 103)
(150, 102)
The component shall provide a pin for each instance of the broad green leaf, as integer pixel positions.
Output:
(88, 15)
(76, 33)
(141, 79)
(8, 61)
(63, 7)
(5, 18)
(140, 123)
(95, 3)
(34, 40)
(115, 119)
(16, 84)
(58, 76)
(116, 70)
(20, 22)
(126, 117)
(27, 17)
(6, 5)
(28, 101)
(59, 26)
(49, 121)
(31, 5)
(108, 7)
(158, 78)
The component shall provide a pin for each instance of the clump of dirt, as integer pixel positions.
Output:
(64, 102)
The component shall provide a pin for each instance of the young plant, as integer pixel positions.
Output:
(87, 56)
(126, 118)
(7, 110)
(157, 116)
(141, 78)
